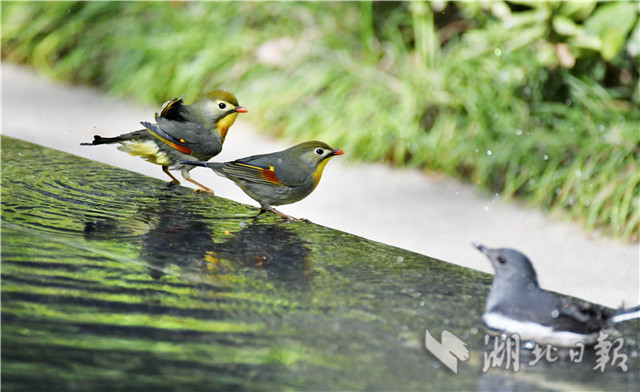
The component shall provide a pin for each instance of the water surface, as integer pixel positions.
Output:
(115, 281)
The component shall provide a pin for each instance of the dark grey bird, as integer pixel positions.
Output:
(517, 304)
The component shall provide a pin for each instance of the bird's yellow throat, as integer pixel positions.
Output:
(225, 123)
(318, 173)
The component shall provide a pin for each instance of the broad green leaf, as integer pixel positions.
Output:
(612, 23)
(565, 26)
(586, 41)
(537, 16)
(577, 10)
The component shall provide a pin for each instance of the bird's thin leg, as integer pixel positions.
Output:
(203, 188)
(262, 211)
(173, 179)
(285, 216)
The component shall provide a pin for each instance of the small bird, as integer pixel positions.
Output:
(516, 304)
(182, 132)
(282, 177)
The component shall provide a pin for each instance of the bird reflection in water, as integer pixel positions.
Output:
(273, 248)
(174, 235)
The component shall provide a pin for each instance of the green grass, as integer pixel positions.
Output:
(535, 101)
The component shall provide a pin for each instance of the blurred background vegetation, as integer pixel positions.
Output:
(537, 100)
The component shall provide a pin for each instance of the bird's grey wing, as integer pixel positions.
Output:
(177, 143)
(248, 171)
(283, 170)
(203, 143)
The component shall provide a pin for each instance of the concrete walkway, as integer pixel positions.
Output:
(405, 208)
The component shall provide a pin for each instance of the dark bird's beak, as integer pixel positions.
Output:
(337, 152)
(480, 247)
(240, 109)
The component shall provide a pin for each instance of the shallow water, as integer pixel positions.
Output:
(115, 281)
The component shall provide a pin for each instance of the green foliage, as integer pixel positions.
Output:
(537, 100)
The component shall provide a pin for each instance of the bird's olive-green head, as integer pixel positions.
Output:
(222, 96)
(222, 108)
(314, 154)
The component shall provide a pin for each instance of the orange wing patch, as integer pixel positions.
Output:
(253, 173)
(165, 137)
(270, 175)
(182, 149)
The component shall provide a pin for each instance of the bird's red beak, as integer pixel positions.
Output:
(338, 152)
(240, 109)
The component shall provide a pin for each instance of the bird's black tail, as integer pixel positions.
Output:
(97, 140)
(626, 314)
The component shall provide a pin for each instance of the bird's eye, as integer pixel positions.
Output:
(501, 260)
(319, 151)
(222, 105)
